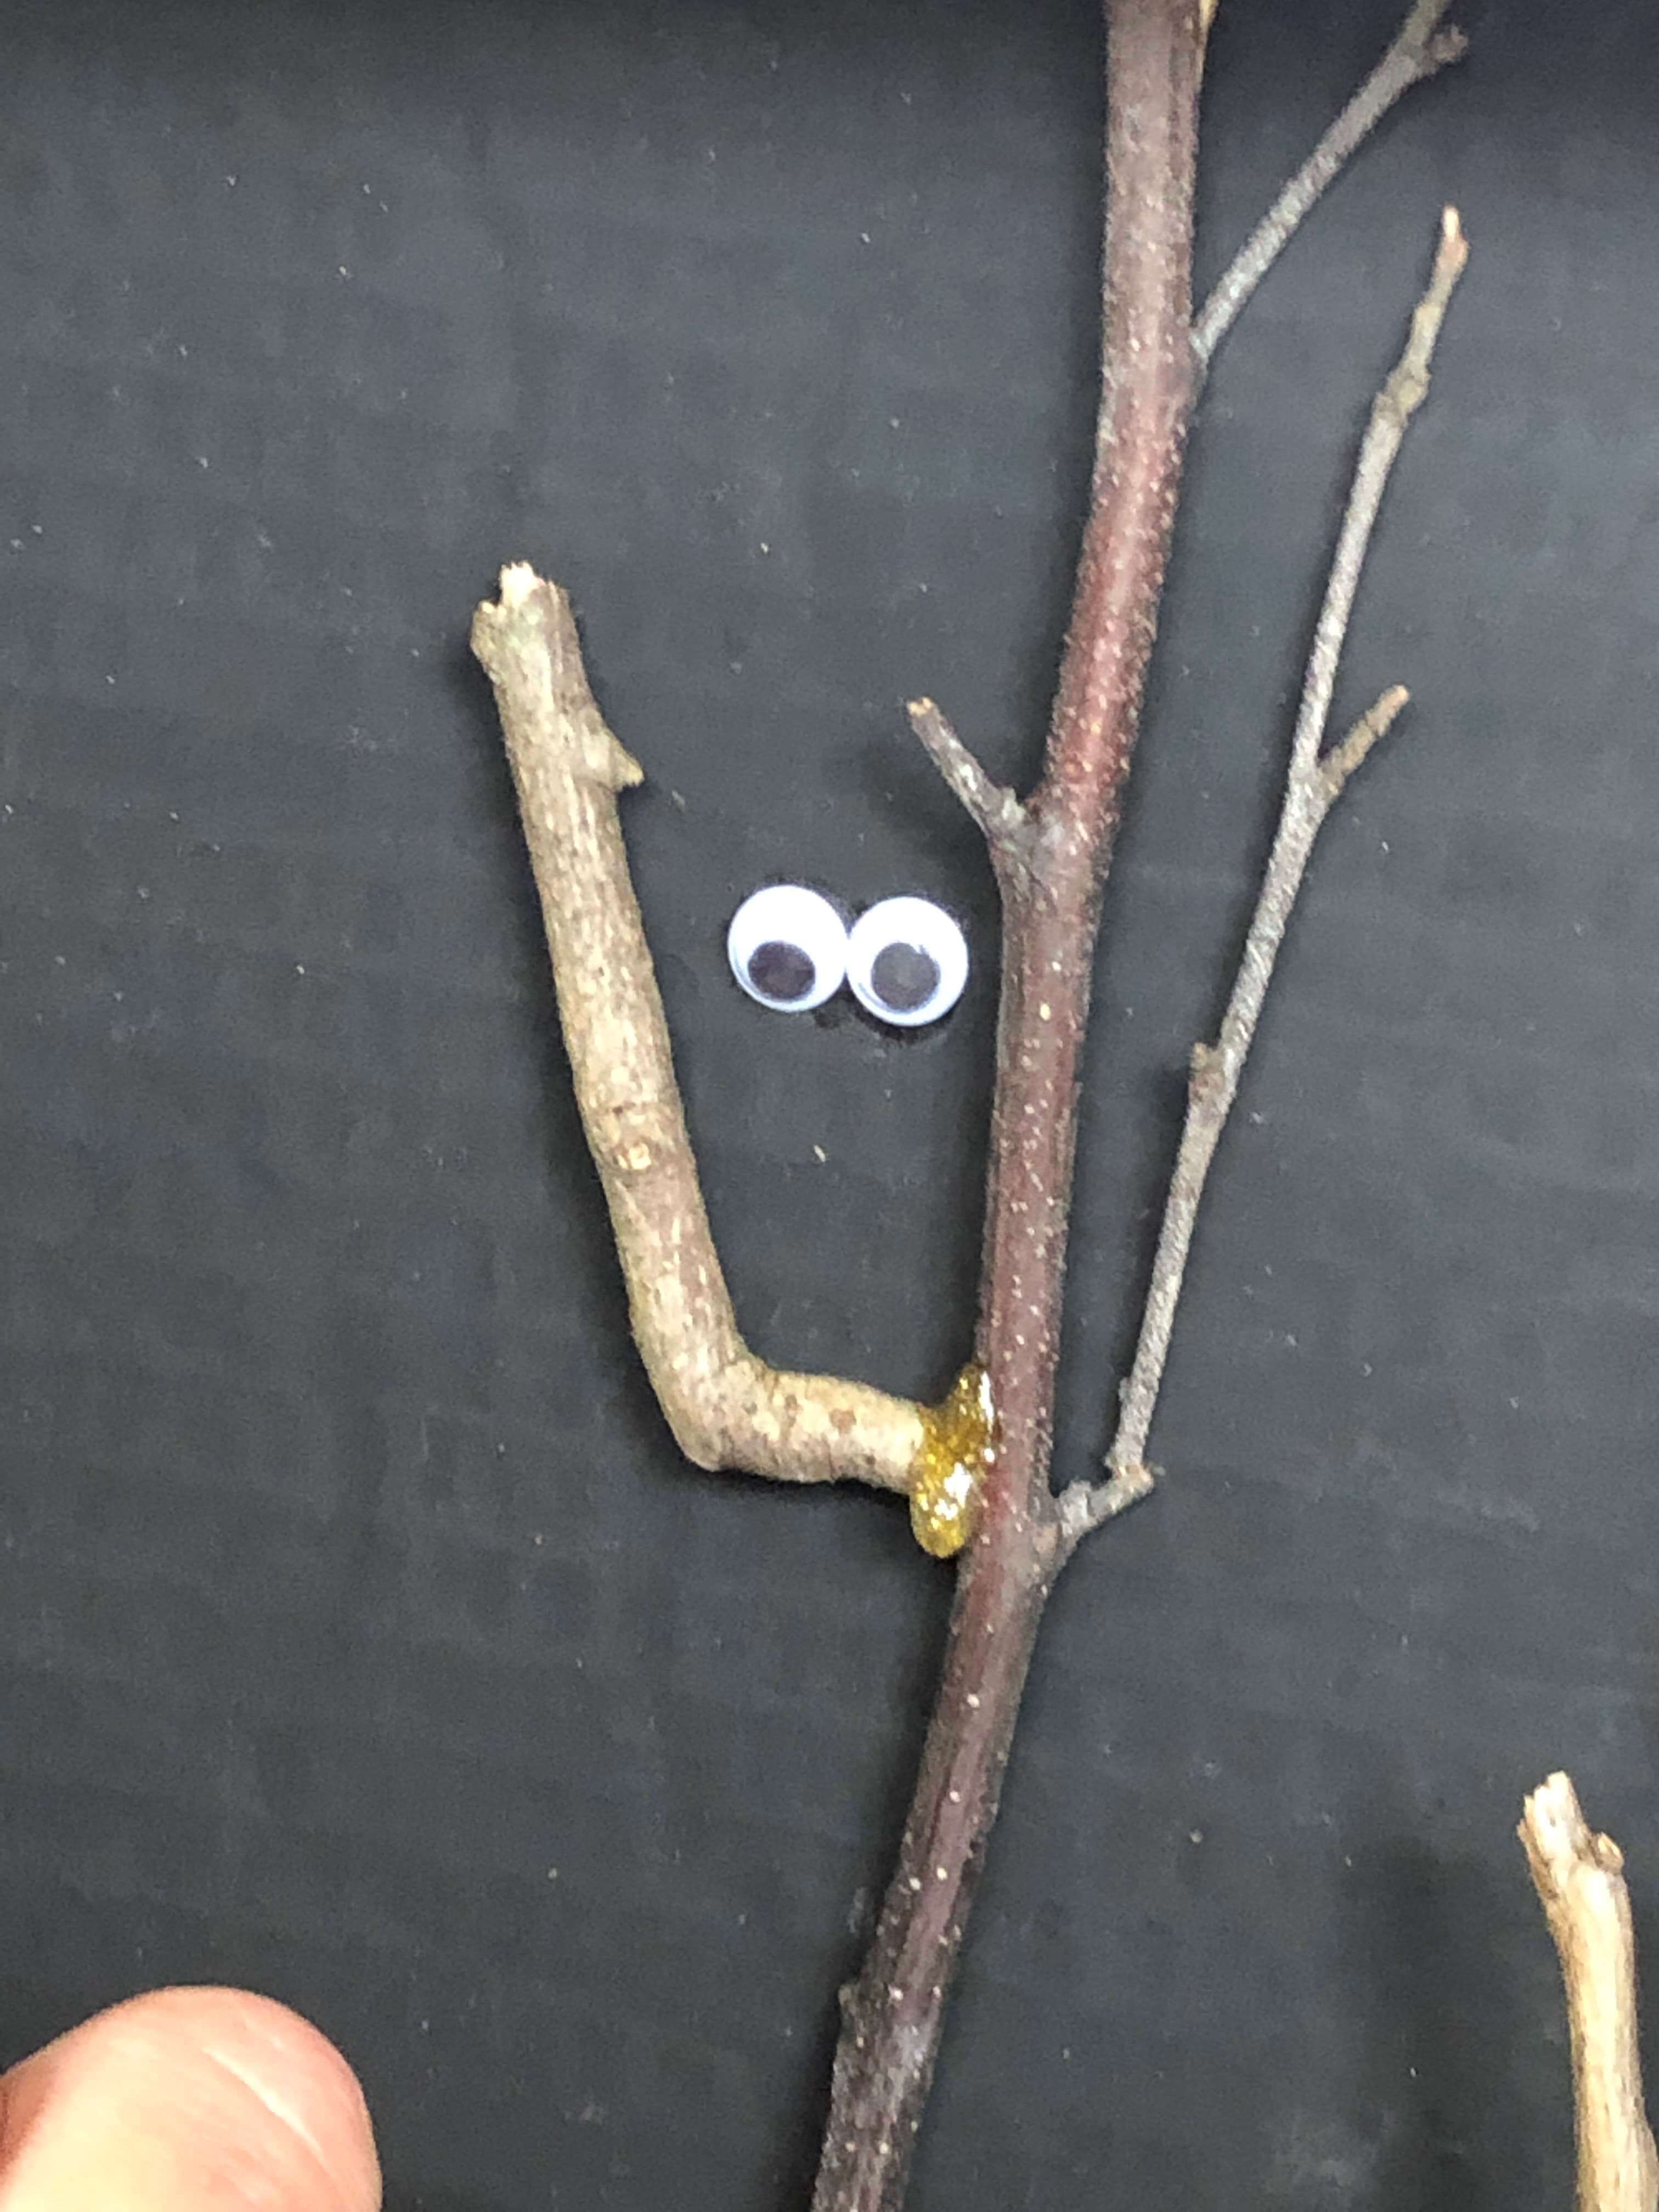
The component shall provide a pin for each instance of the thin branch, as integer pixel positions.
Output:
(1420, 48)
(1339, 763)
(1001, 819)
(1399, 399)
(726, 1407)
(1580, 1880)
(1312, 786)
(1085, 1506)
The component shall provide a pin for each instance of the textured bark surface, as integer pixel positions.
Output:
(1051, 866)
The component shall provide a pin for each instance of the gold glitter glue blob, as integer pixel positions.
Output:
(948, 1473)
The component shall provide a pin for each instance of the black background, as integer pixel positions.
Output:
(362, 1636)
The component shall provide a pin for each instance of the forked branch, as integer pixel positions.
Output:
(1580, 1880)
(1312, 786)
(726, 1407)
(1052, 852)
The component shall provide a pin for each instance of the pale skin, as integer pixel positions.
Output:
(187, 2100)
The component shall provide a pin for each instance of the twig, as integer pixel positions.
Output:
(1085, 1506)
(1580, 1881)
(1419, 49)
(893, 2013)
(1001, 819)
(1312, 787)
(726, 1407)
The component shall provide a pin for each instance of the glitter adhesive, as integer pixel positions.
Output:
(947, 1483)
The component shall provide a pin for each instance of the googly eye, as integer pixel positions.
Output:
(907, 961)
(787, 947)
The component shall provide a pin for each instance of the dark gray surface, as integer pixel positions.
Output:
(362, 1636)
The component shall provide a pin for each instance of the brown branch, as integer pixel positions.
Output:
(1580, 1881)
(892, 2014)
(726, 1406)
(1420, 48)
(1312, 787)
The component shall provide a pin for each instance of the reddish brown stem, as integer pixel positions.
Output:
(1051, 882)
(1051, 912)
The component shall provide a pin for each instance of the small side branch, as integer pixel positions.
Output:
(1580, 1880)
(1001, 819)
(1085, 1505)
(1312, 787)
(726, 1407)
(1420, 48)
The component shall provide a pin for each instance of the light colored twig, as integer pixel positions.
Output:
(1001, 818)
(726, 1407)
(1399, 399)
(1580, 1880)
(1420, 48)
(1312, 787)
(1085, 1505)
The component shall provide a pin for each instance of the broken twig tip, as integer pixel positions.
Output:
(1558, 1837)
(997, 812)
(1445, 47)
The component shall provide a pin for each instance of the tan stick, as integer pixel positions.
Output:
(726, 1407)
(1580, 1880)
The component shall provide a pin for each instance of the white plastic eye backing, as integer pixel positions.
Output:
(907, 961)
(787, 947)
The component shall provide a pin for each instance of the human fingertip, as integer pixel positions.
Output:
(186, 2099)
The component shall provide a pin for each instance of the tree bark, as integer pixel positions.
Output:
(1051, 864)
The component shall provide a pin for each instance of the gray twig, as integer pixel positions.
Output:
(1312, 786)
(1420, 48)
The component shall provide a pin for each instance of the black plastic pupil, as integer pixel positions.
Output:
(903, 977)
(778, 970)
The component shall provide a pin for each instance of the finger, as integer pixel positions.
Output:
(182, 2100)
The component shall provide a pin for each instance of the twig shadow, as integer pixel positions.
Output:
(1447, 2035)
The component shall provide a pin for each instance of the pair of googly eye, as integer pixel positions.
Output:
(904, 959)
